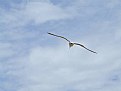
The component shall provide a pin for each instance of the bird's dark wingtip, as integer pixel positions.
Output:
(49, 33)
(95, 52)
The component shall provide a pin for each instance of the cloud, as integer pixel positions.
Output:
(32, 64)
(42, 12)
(16, 39)
(6, 50)
(34, 12)
(77, 69)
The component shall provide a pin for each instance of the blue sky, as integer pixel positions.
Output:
(32, 60)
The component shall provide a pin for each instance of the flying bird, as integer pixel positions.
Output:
(72, 43)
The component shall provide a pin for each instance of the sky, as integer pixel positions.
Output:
(32, 60)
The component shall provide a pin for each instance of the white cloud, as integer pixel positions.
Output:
(42, 12)
(34, 12)
(58, 68)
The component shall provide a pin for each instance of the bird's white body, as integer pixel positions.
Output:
(71, 44)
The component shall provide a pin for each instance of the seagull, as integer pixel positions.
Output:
(72, 43)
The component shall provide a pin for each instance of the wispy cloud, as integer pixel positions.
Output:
(16, 39)
(34, 12)
(27, 65)
(63, 69)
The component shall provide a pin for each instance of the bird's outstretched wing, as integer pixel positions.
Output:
(85, 47)
(59, 36)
